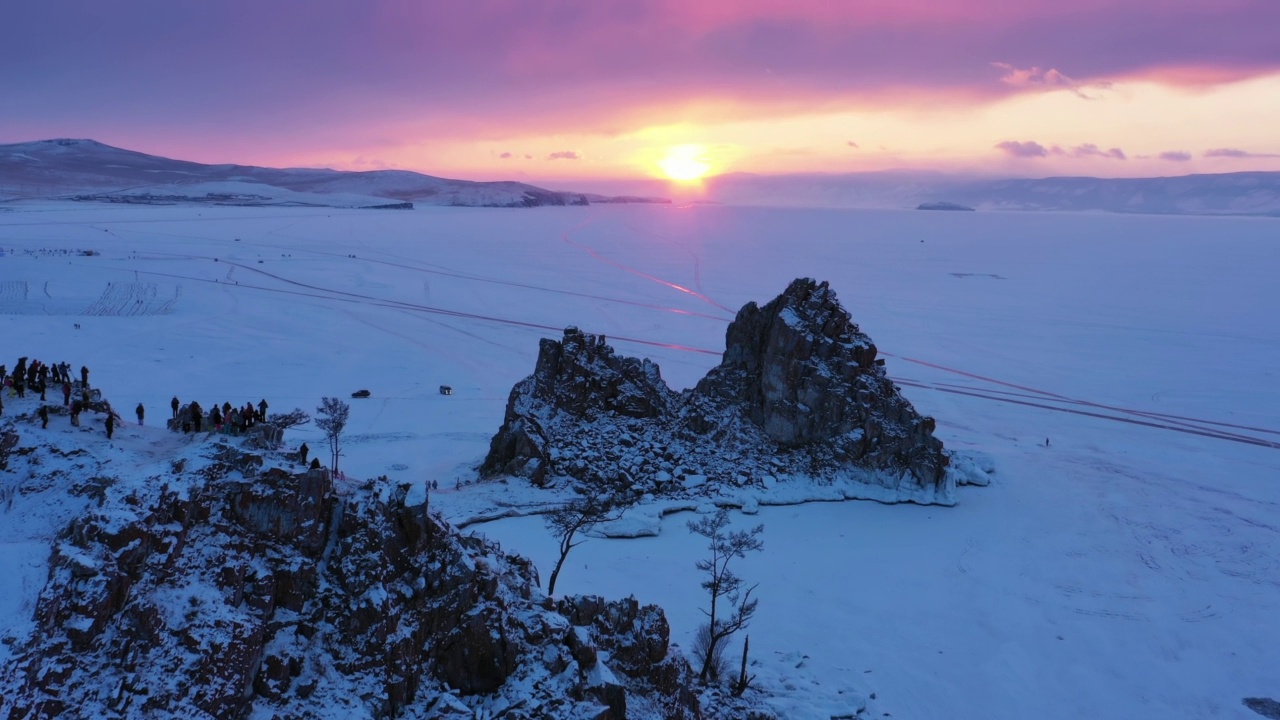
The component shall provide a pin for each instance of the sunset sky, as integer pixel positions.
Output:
(591, 89)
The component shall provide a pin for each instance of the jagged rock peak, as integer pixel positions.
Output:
(580, 376)
(798, 363)
(799, 392)
(583, 376)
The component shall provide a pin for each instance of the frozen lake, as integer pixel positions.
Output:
(1128, 569)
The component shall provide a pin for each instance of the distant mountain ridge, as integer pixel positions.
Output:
(1243, 193)
(90, 170)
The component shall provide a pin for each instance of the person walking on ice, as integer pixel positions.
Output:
(44, 417)
(140, 411)
(111, 424)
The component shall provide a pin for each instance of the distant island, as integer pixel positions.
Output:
(943, 206)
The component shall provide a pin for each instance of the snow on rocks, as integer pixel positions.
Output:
(204, 578)
(800, 406)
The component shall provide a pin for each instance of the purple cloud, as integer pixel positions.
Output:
(1175, 156)
(1091, 150)
(564, 155)
(1033, 149)
(1028, 149)
(1236, 153)
(852, 144)
(505, 155)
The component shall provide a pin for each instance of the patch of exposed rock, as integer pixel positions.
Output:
(800, 393)
(230, 588)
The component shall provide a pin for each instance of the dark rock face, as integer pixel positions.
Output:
(799, 391)
(203, 595)
(579, 376)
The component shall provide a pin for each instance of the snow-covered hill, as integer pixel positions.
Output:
(87, 169)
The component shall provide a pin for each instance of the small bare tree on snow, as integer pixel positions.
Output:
(723, 583)
(579, 515)
(291, 419)
(331, 418)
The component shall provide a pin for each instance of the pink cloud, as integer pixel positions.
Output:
(564, 155)
(240, 80)
(1037, 78)
(1175, 156)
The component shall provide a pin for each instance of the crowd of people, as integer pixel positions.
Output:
(35, 376)
(225, 418)
(39, 377)
(77, 397)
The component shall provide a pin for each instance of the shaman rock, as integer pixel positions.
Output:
(799, 391)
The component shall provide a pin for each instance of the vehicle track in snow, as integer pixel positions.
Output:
(478, 278)
(568, 239)
(1044, 404)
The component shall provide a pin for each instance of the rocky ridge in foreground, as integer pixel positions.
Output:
(800, 394)
(222, 582)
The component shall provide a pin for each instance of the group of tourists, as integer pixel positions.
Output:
(39, 377)
(227, 419)
(36, 376)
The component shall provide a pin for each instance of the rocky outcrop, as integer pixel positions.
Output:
(799, 392)
(203, 593)
(579, 377)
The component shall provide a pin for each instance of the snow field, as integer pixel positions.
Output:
(1126, 570)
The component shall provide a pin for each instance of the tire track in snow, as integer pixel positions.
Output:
(1203, 432)
(566, 236)
(343, 296)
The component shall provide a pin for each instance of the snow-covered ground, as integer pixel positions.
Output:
(1128, 569)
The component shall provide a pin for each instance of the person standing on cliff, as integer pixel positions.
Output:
(111, 424)
(140, 412)
(174, 405)
(84, 375)
(302, 451)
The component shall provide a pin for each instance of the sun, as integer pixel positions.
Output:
(685, 163)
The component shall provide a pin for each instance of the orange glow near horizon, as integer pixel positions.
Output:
(685, 163)
(1118, 130)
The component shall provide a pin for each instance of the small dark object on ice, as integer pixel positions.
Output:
(361, 394)
(446, 390)
(1266, 707)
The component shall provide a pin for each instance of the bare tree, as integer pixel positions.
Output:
(721, 582)
(331, 417)
(579, 515)
(291, 419)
